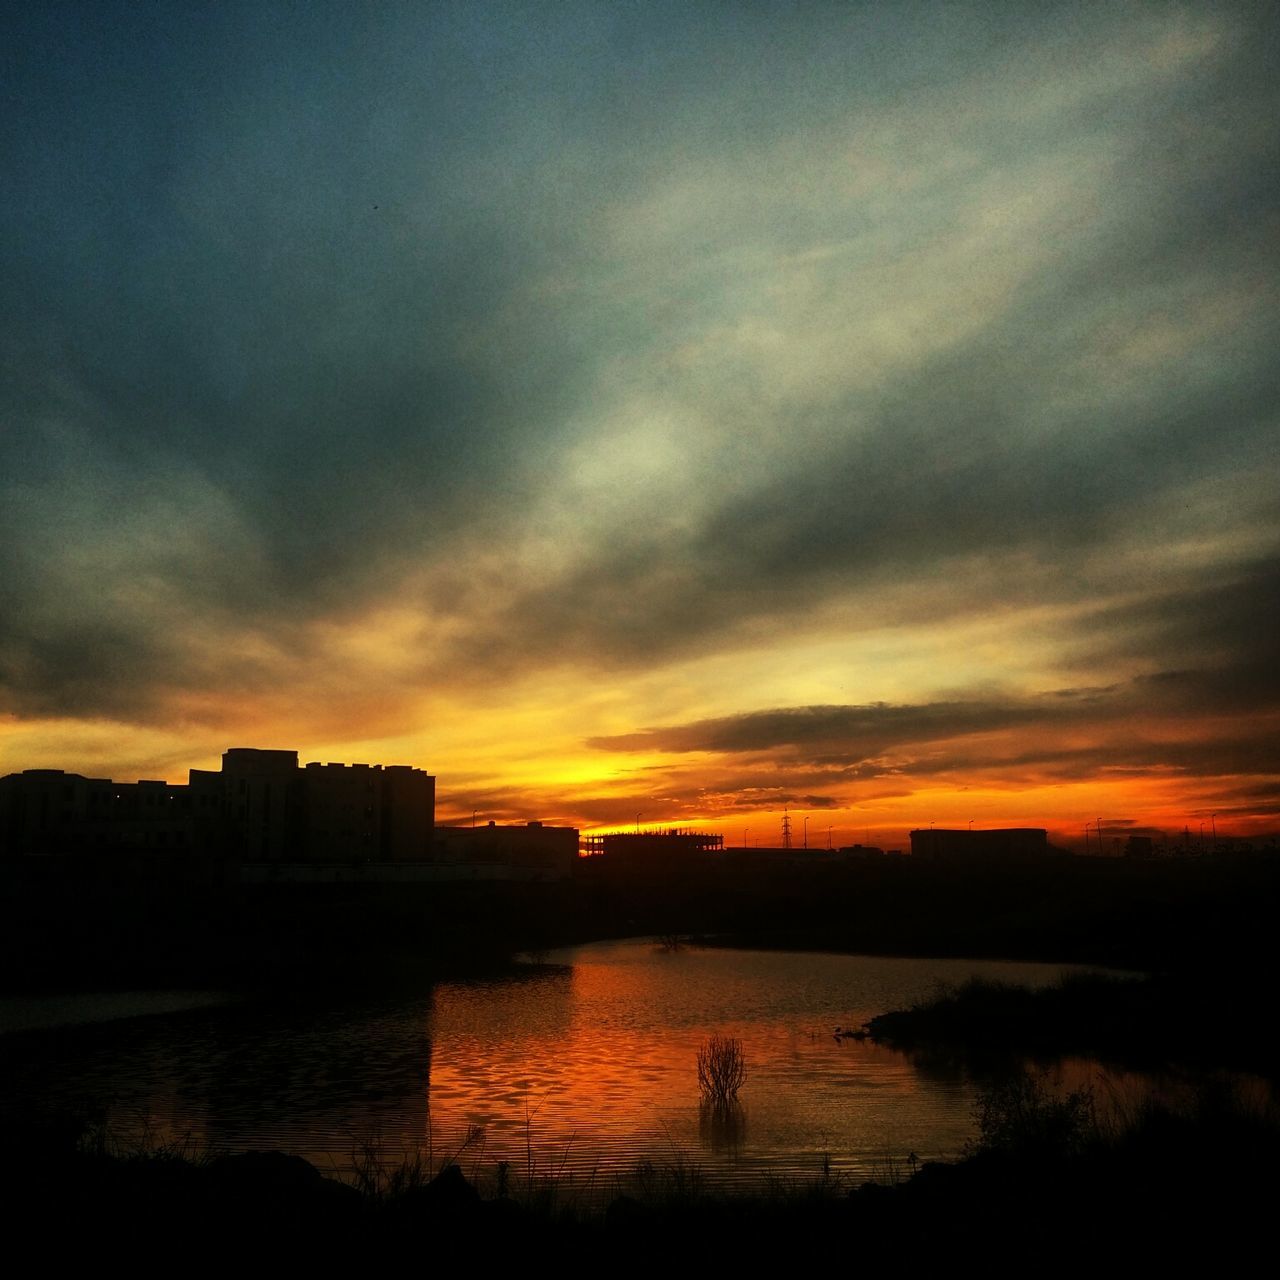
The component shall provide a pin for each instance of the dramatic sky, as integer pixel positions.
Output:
(679, 410)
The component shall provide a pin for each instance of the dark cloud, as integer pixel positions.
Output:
(865, 730)
(1141, 729)
(820, 802)
(1226, 622)
(960, 471)
(1209, 721)
(307, 304)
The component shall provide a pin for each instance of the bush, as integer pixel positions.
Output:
(1020, 1116)
(722, 1068)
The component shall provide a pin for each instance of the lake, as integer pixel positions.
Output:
(581, 1066)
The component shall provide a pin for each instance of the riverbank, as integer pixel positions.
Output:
(1162, 1022)
(1043, 1181)
(66, 928)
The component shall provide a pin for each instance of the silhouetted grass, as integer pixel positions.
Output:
(1046, 1177)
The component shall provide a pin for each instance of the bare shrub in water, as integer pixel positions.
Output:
(722, 1068)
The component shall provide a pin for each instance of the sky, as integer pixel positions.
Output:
(647, 413)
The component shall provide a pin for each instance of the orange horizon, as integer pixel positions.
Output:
(1169, 809)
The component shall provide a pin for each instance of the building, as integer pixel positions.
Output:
(533, 847)
(47, 811)
(1139, 847)
(259, 807)
(653, 847)
(1009, 843)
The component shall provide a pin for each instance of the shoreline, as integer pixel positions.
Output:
(1040, 1169)
(63, 935)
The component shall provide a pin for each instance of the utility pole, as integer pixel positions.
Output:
(806, 831)
(786, 828)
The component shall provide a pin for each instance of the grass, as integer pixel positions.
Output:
(1047, 1172)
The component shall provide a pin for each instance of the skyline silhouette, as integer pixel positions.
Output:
(264, 806)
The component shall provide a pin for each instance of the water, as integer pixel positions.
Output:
(582, 1067)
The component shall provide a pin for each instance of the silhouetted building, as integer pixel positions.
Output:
(261, 807)
(47, 811)
(781, 855)
(326, 812)
(552, 851)
(262, 803)
(856, 851)
(946, 845)
(671, 845)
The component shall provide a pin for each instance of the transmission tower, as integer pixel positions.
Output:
(786, 829)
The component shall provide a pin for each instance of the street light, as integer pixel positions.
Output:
(1213, 822)
(746, 831)
(806, 832)
(638, 816)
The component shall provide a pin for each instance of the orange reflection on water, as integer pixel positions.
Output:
(589, 1067)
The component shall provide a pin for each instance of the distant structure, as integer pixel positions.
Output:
(671, 845)
(1008, 843)
(534, 847)
(786, 829)
(856, 851)
(260, 807)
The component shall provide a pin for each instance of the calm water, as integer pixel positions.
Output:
(583, 1066)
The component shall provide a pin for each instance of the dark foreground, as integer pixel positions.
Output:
(1046, 1186)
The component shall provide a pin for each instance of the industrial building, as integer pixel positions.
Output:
(1003, 844)
(671, 845)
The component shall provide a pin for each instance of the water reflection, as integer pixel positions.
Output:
(722, 1127)
(584, 1066)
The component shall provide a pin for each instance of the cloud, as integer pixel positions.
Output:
(865, 730)
(386, 366)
